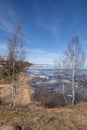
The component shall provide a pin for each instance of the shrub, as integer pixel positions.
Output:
(48, 99)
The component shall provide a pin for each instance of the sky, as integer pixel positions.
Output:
(48, 25)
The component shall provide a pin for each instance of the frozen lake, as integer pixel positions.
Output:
(49, 79)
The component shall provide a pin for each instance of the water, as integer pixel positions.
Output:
(50, 80)
(46, 72)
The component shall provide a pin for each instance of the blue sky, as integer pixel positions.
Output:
(48, 25)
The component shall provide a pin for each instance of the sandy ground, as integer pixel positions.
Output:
(23, 90)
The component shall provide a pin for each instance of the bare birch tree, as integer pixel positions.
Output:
(74, 59)
(15, 55)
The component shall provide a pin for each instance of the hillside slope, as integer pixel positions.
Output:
(31, 117)
(65, 118)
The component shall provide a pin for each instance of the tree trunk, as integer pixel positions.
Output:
(73, 81)
(63, 87)
(13, 80)
(13, 95)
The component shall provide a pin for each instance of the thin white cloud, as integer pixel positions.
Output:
(54, 29)
(7, 17)
(51, 26)
(38, 51)
(40, 57)
(5, 25)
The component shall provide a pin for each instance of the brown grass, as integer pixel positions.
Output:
(76, 114)
(37, 119)
(23, 90)
(33, 117)
(63, 118)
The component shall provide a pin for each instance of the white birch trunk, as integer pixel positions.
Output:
(73, 80)
(13, 79)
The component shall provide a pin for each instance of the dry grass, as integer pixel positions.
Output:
(34, 117)
(76, 114)
(37, 119)
(23, 90)
(63, 118)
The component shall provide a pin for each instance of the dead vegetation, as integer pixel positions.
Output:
(23, 91)
(63, 118)
(30, 116)
(76, 114)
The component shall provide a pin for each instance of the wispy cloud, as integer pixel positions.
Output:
(40, 57)
(7, 17)
(53, 28)
(50, 25)
(5, 25)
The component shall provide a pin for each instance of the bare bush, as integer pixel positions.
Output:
(48, 99)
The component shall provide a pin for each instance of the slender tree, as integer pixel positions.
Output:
(15, 57)
(74, 59)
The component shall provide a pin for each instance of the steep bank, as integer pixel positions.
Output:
(23, 90)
